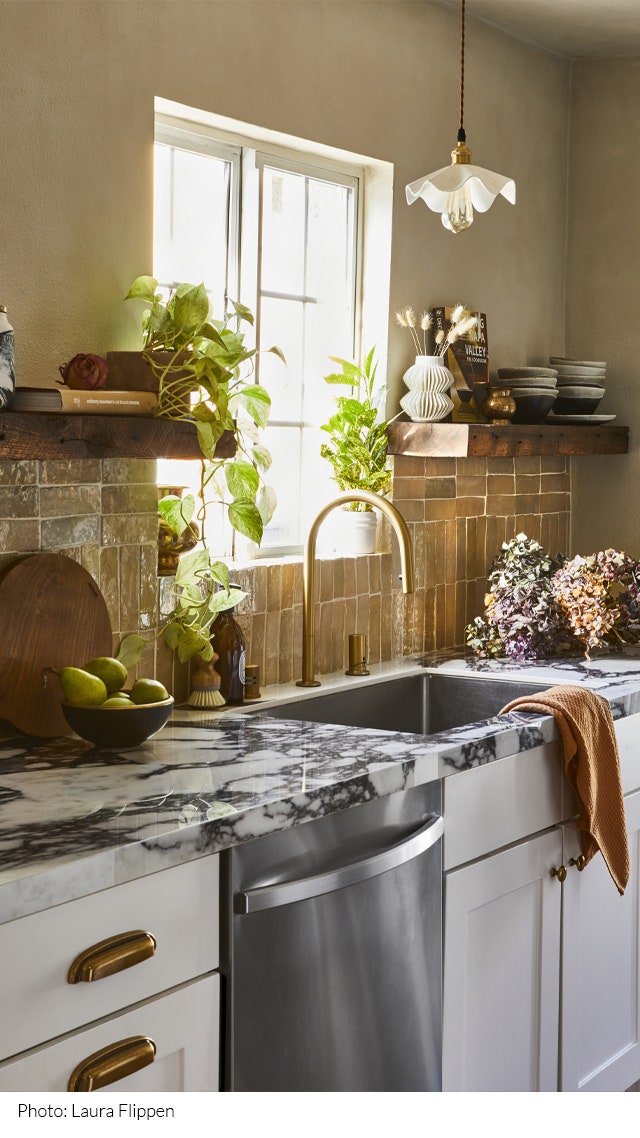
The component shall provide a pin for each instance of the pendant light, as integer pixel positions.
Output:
(456, 190)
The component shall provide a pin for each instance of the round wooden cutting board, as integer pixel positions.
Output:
(52, 614)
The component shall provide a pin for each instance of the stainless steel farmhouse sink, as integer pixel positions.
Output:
(422, 704)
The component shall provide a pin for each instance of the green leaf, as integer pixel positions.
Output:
(242, 312)
(220, 573)
(177, 512)
(208, 435)
(172, 635)
(190, 641)
(192, 566)
(278, 352)
(131, 649)
(190, 309)
(348, 366)
(335, 377)
(245, 518)
(209, 332)
(266, 503)
(143, 288)
(261, 456)
(225, 599)
(257, 402)
(242, 479)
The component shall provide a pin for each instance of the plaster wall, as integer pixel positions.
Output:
(377, 77)
(602, 288)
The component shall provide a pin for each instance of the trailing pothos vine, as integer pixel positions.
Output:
(205, 374)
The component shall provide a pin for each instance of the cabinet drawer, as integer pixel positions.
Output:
(177, 906)
(184, 1026)
(494, 805)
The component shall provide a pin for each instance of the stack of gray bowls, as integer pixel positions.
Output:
(580, 385)
(533, 389)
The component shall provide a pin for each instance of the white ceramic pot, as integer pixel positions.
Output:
(428, 381)
(355, 531)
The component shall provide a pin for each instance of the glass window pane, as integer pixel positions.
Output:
(191, 194)
(282, 324)
(283, 231)
(284, 444)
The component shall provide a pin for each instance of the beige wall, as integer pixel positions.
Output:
(378, 77)
(602, 287)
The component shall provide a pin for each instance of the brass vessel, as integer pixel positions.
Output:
(499, 406)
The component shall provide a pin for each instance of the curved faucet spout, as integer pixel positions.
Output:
(404, 541)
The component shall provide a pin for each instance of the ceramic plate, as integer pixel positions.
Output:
(580, 363)
(524, 372)
(595, 420)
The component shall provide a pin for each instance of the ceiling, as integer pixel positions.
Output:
(568, 27)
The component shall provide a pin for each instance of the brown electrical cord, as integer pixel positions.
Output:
(461, 134)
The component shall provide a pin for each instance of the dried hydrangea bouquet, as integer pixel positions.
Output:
(540, 606)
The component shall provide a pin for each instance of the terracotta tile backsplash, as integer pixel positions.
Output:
(459, 511)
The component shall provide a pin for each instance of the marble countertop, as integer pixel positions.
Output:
(75, 819)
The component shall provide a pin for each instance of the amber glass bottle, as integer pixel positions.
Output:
(227, 640)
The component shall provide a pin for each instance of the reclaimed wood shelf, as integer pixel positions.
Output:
(465, 440)
(31, 435)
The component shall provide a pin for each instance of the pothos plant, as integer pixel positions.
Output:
(358, 447)
(204, 372)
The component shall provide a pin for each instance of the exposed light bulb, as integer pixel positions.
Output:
(458, 211)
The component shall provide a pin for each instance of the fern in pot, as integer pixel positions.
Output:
(357, 447)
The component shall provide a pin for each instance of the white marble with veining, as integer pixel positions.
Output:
(75, 819)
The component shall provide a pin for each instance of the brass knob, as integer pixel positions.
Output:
(112, 1063)
(560, 872)
(579, 862)
(111, 955)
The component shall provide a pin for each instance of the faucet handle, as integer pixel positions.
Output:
(357, 655)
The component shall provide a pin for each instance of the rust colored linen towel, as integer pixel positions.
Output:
(592, 768)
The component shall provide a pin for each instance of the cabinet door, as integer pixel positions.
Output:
(502, 971)
(601, 970)
(183, 1025)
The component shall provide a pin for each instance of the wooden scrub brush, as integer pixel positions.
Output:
(206, 684)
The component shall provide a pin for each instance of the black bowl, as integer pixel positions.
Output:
(118, 727)
(533, 408)
(576, 404)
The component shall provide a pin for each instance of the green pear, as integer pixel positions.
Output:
(82, 688)
(148, 691)
(112, 673)
(118, 701)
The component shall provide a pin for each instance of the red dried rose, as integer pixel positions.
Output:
(84, 371)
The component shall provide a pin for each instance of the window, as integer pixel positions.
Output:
(280, 231)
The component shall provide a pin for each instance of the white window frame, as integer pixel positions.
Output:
(250, 149)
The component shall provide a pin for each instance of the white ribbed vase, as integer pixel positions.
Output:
(428, 381)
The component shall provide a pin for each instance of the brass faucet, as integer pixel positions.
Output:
(404, 541)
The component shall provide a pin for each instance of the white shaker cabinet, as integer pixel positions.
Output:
(601, 970)
(502, 975)
(541, 968)
(120, 987)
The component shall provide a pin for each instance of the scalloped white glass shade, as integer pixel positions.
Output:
(483, 186)
(428, 381)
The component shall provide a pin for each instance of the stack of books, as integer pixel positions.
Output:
(72, 402)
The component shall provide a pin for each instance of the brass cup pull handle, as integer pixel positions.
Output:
(112, 1063)
(579, 862)
(111, 955)
(560, 872)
